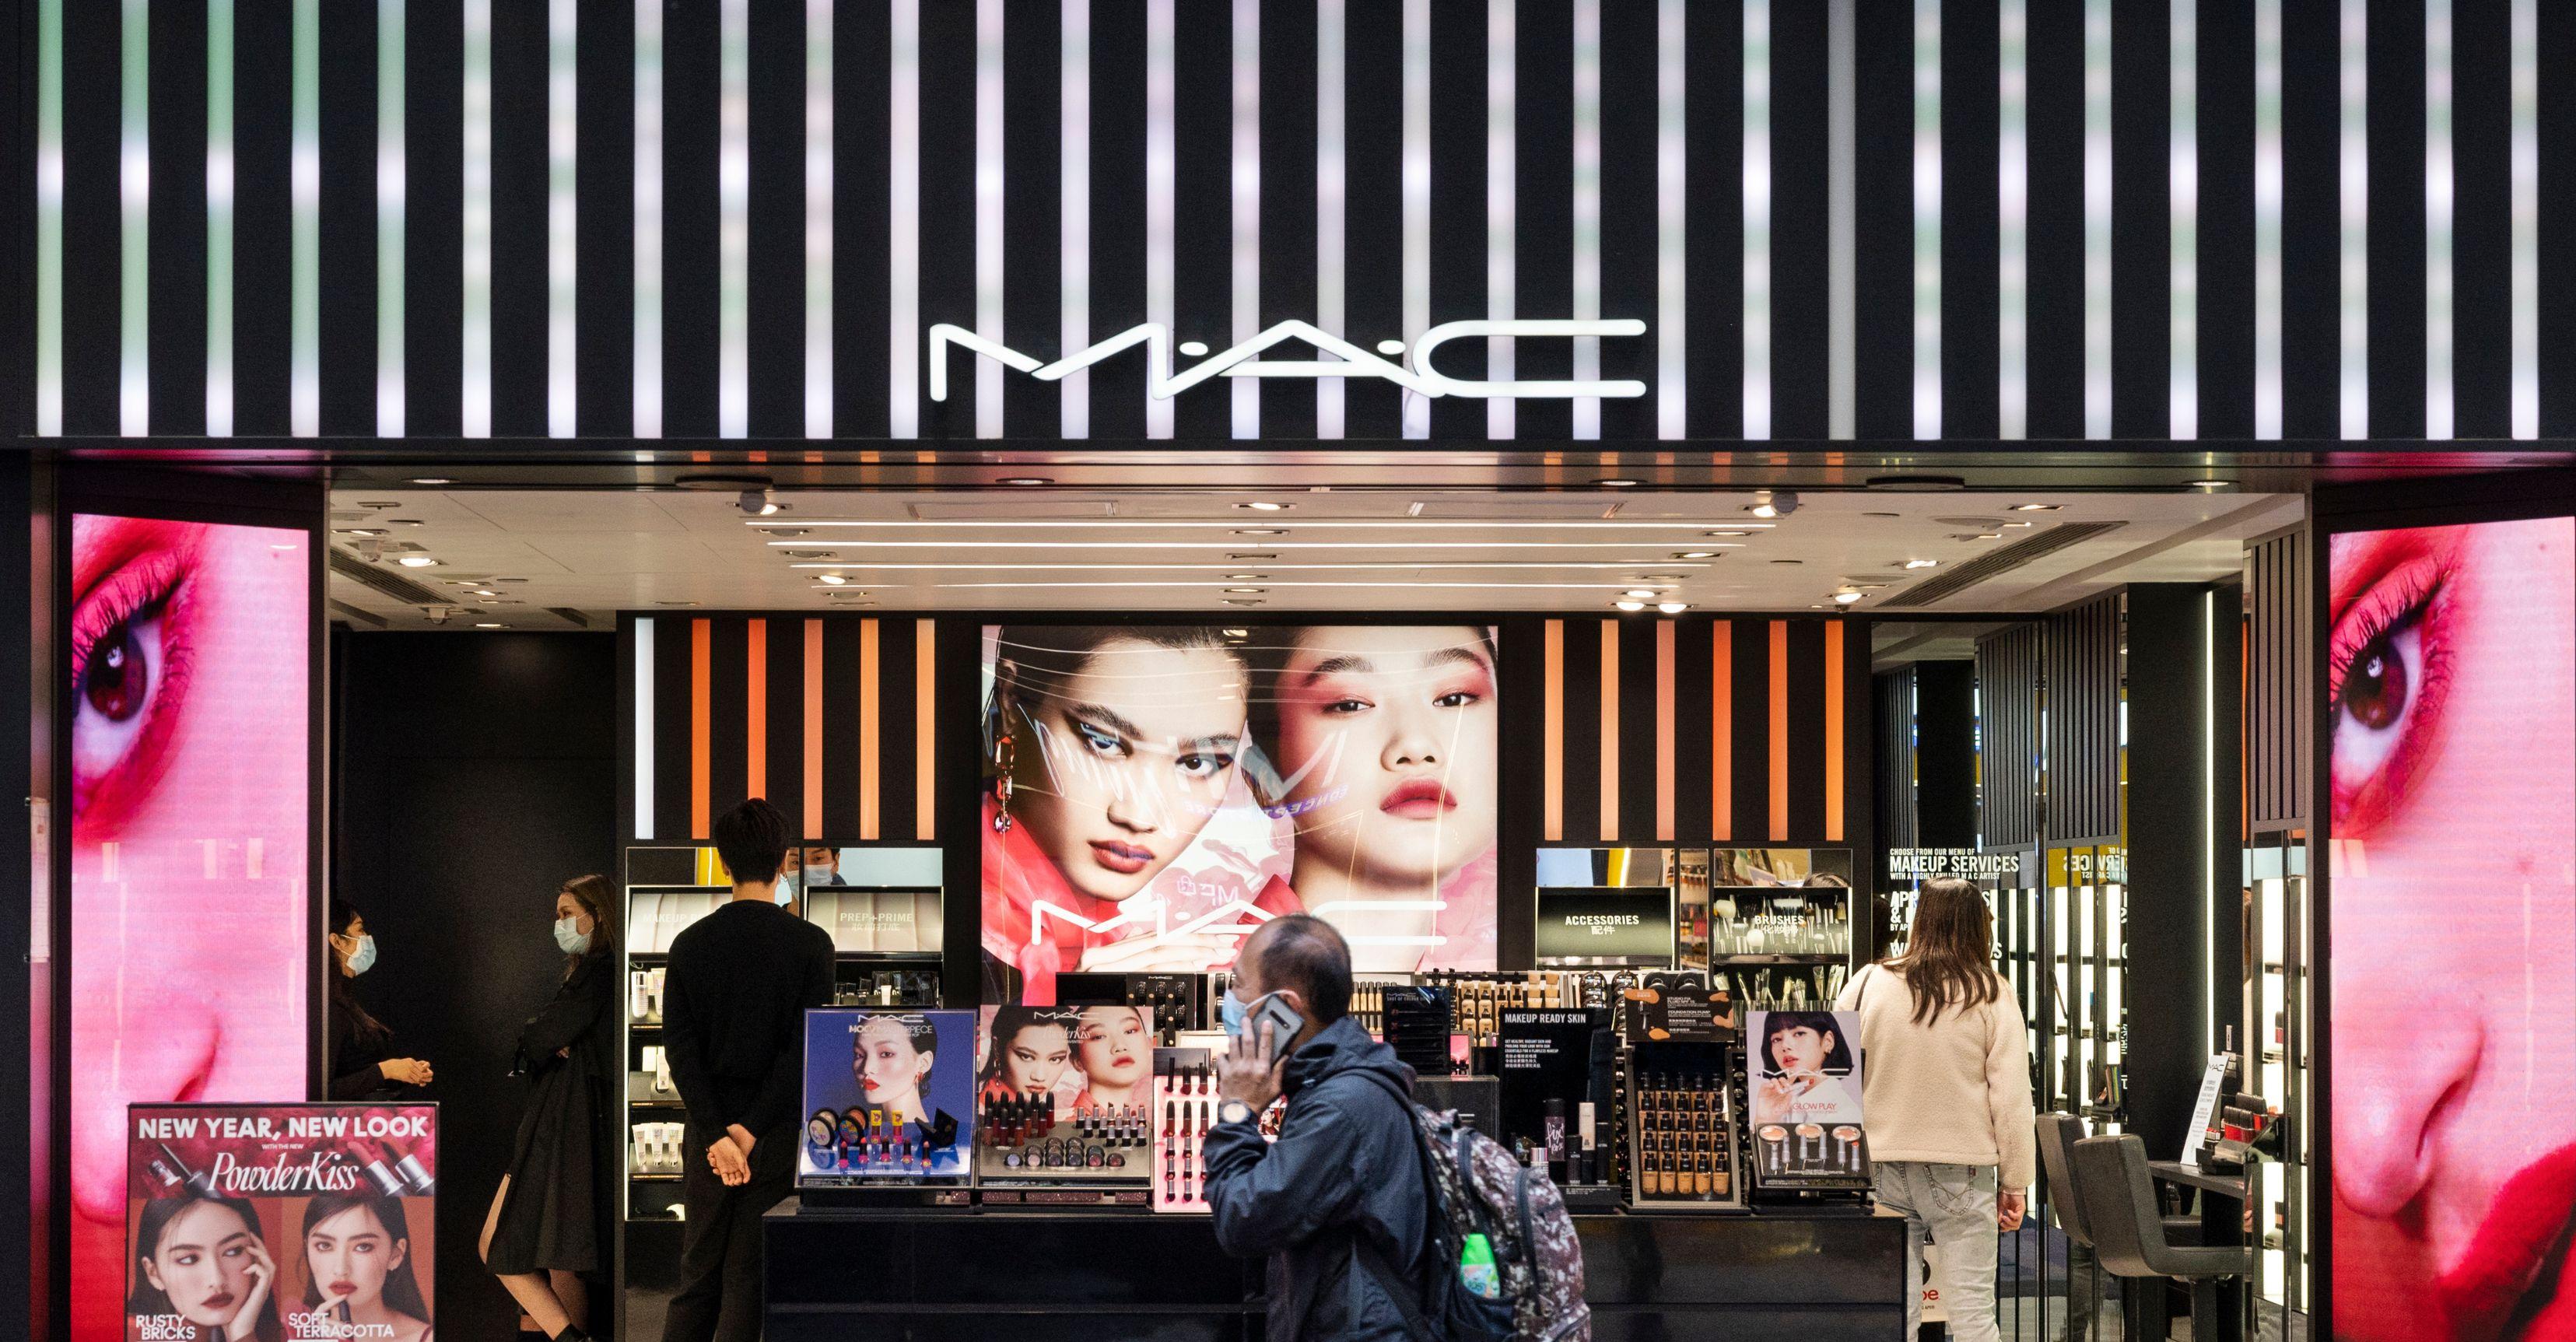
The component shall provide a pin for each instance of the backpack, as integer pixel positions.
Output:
(1478, 1189)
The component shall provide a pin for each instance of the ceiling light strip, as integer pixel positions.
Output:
(1394, 524)
(1331, 199)
(391, 171)
(2182, 222)
(49, 212)
(1436, 564)
(1587, 209)
(1672, 193)
(563, 238)
(476, 264)
(990, 169)
(304, 227)
(1927, 218)
(903, 222)
(2097, 218)
(1161, 160)
(2012, 271)
(1246, 185)
(134, 195)
(1218, 586)
(648, 221)
(1073, 219)
(2526, 218)
(219, 220)
(1501, 228)
(2354, 186)
(2439, 188)
(2268, 168)
(819, 148)
(1270, 545)
(733, 219)
(1417, 196)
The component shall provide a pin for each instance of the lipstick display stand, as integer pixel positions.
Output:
(1039, 1154)
(1184, 1107)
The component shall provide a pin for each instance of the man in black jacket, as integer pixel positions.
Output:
(1341, 1202)
(733, 1022)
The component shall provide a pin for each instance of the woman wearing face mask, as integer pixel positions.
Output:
(202, 1260)
(363, 1065)
(357, 1268)
(548, 1222)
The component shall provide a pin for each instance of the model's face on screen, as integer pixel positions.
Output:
(350, 1256)
(1387, 738)
(204, 1262)
(1035, 1058)
(2450, 670)
(1120, 765)
(1801, 1051)
(1115, 1047)
(888, 1066)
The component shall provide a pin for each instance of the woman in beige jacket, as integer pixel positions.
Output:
(1946, 1099)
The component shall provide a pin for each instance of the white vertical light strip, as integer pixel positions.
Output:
(49, 217)
(2097, 218)
(1757, 221)
(988, 212)
(1417, 195)
(134, 196)
(392, 180)
(1672, 192)
(2209, 816)
(644, 716)
(1587, 207)
(477, 259)
(219, 219)
(2267, 218)
(1074, 173)
(304, 228)
(563, 240)
(1247, 206)
(903, 223)
(2182, 197)
(1331, 198)
(733, 218)
(2012, 235)
(648, 219)
(1160, 160)
(1842, 232)
(1927, 218)
(2526, 218)
(1501, 222)
(2355, 164)
(2440, 405)
(818, 218)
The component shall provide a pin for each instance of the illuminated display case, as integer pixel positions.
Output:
(668, 887)
(2278, 1042)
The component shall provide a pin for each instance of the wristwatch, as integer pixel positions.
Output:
(1234, 1111)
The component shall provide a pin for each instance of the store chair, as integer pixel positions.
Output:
(2128, 1226)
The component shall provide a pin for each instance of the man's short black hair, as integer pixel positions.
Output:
(752, 838)
(1304, 952)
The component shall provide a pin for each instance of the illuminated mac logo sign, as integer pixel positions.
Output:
(1350, 360)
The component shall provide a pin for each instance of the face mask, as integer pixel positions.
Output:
(1241, 1018)
(570, 937)
(363, 958)
(819, 874)
(1231, 1013)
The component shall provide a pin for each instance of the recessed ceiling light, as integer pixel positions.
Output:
(806, 554)
(1845, 598)
(1641, 593)
(1726, 533)
(1921, 563)
(495, 601)
(1764, 510)
(1246, 577)
(357, 531)
(417, 561)
(1026, 480)
(431, 480)
(831, 579)
(1629, 605)
(484, 591)
(1695, 554)
(786, 533)
(1616, 482)
(1775, 504)
(1266, 506)
(1672, 607)
(1262, 531)
(1248, 591)
(2020, 524)
(1250, 555)
(2037, 507)
(1988, 536)
(2210, 484)
(1236, 633)
(1243, 601)
(488, 624)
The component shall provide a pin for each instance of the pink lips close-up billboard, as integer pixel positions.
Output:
(1152, 793)
(188, 680)
(2451, 679)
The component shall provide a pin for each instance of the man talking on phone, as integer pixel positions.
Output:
(1339, 1203)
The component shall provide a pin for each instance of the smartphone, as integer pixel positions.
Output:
(1284, 1021)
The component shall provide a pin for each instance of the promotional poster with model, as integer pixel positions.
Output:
(1806, 1089)
(2451, 683)
(280, 1222)
(1152, 793)
(1082, 1058)
(190, 912)
(889, 1098)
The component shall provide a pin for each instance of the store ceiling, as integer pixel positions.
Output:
(556, 559)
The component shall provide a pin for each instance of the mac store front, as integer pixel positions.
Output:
(1599, 502)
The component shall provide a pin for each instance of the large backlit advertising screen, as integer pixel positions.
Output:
(188, 686)
(2451, 680)
(1152, 793)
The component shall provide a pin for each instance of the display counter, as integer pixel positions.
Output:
(968, 1273)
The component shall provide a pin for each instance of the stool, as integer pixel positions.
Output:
(2128, 1227)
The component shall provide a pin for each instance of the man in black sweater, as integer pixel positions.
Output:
(733, 1022)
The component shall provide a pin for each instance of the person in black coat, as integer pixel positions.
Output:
(549, 1220)
(1338, 1203)
(361, 1058)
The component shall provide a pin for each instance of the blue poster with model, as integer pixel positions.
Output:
(889, 1098)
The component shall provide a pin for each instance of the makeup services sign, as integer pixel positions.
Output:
(1922, 864)
(280, 1221)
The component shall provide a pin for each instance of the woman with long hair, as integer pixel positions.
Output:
(201, 1259)
(549, 1219)
(357, 1267)
(1946, 1097)
(363, 1065)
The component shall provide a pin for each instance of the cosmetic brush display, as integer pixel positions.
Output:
(1184, 1108)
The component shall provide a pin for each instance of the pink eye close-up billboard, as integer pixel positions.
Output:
(188, 692)
(2451, 678)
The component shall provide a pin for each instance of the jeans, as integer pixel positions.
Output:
(1955, 1205)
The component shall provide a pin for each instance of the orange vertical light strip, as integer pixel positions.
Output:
(701, 725)
(1779, 730)
(1609, 731)
(925, 731)
(868, 730)
(1663, 730)
(814, 728)
(1721, 732)
(1552, 738)
(1833, 729)
(756, 717)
